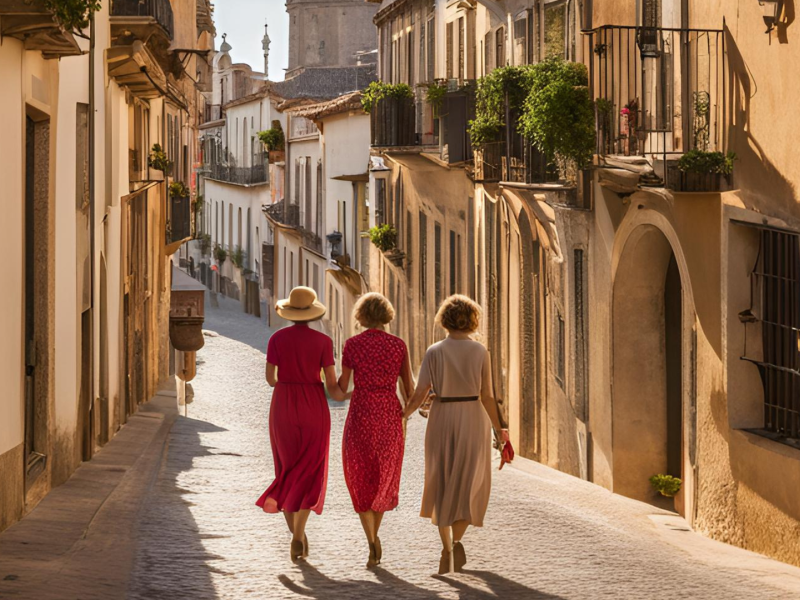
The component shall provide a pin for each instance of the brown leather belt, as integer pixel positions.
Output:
(458, 399)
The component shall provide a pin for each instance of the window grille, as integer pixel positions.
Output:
(775, 282)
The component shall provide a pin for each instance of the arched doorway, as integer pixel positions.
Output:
(650, 365)
(530, 422)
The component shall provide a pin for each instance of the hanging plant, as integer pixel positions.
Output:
(72, 15)
(158, 159)
(384, 237)
(434, 95)
(273, 139)
(558, 113)
(378, 90)
(178, 189)
(490, 101)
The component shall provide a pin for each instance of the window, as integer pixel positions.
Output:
(473, 292)
(453, 265)
(297, 163)
(423, 257)
(306, 273)
(431, 53)
(82, 155)
(560, 350)
(308, 198)
(410, 50)
(521, 41)
(315, 280)
(558, 34)
(462, 43)
(488, 49)
(437, 266)
(500, 47)
(450, 50)
(222, 240)
(579, 322)
(380, 201)
(239, 228)
(230, 226)
(318, 225)
(776, 294)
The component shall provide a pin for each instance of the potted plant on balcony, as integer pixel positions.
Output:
(392, 113)
(434, 95)
(178, 189)
(220, 254)
(238, 257)
(205, 244)
(158, 159)
(275, 141)
(72, 14)
(701, 171)
(384, 237)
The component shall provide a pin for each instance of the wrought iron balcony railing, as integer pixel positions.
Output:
(393, 122)
(159, 11)
(284, 213)
(257, 174)
(658, 91)
(179, 224)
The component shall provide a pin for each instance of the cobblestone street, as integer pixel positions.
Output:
(547, 535)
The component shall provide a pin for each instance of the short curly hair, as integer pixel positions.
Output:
(459, 313)
(373, 310)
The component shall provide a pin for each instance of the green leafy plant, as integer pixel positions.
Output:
(604, 106)
(492, 90)
(72, 14)
(434, 95)
(558, 112)
(238, 257)
(273, 138)
(384, 237)
(666, 485)
(698, 161)
(205, 243)
(158, 159)
(220, 254)
(178, 189)
(378, 90)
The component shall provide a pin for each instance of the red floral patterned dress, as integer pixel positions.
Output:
(373, 441)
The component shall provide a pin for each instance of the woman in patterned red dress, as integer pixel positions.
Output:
(299, 418)
(372, 447)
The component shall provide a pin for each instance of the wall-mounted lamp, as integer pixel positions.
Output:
(772, 12)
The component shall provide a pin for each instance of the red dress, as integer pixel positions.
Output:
(299, 420)
(373, 443)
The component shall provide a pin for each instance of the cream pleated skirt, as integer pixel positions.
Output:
(458, 463)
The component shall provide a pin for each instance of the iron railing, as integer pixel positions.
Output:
(658, 91)
(258, 173)
(517, 162)
(393, 122)
(284, 213)
(160, 10)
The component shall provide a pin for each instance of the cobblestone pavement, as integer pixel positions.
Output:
(547, 535)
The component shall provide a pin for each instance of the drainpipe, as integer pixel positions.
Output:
(92, 212)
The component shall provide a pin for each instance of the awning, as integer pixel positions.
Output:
(361, 177)
(545, 219)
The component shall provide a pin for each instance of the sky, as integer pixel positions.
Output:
(243, 21)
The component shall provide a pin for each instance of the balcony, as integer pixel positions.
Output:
(179, 221)
(393, 123)
(659, 92)
(142, 19)
(517, 162)
(287, 214)
(258, 174)
(457, 109)
(30, 22)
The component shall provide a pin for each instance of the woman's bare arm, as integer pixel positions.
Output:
(344, 378)
(416, 400)
(332, 385)
(272, 375)
(487, 396)
(405, 376)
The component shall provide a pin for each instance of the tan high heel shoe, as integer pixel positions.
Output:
(446, 562)
(296, 550)
(459, 557)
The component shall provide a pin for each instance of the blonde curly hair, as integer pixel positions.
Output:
(459, 313)
(373, 310)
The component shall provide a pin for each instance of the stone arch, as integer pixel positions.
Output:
(653, 332)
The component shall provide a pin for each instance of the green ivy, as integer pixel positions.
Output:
(384, 237)
(666, 485)
(158, 159)
(178, 189)
(434, 95)
(377, 90)
(490, 101)
(698, 161)
(72, 14)
(273, 138)
(558, 113)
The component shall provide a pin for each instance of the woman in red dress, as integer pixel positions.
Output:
(373, 441)
(299, 418)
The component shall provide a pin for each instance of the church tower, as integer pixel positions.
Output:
(329, 33)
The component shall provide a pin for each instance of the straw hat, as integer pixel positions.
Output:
(302, 305)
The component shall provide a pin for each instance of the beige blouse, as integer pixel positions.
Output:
(456, 368)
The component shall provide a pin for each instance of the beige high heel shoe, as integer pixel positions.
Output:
(446, 562)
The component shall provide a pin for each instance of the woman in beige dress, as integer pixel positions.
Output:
(458, 441)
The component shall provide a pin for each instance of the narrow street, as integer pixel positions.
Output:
(547, 535)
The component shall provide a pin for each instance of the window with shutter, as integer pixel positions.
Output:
(449, 42)
(437, 266)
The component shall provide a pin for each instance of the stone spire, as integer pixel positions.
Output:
(265, 41)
